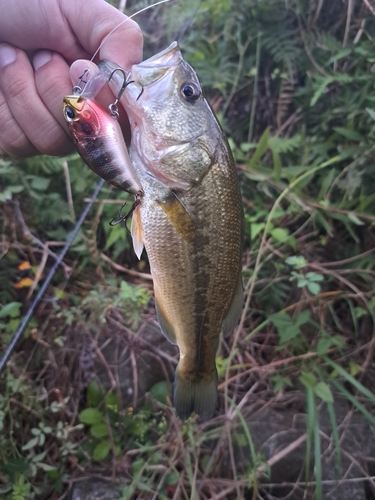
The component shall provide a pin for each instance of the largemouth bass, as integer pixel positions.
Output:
(190, 218)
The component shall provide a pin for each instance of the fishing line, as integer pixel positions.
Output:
(124, 21)
(48, 279)
(188, 24)
(70, 238)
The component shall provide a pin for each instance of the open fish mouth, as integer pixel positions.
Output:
(154, 68)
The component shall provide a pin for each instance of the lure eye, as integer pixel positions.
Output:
(69, 114)
(190, 91)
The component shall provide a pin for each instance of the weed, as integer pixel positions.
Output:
(294, 91)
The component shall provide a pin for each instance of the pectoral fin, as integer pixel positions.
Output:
(137, 233)
(179, 217)
(233, 316)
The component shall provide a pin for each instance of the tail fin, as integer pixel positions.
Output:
(198, 396)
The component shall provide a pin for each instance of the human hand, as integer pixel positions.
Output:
(38, 41)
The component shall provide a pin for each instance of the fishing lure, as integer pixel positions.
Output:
(98, 136)
(97, 133)
(188, 214)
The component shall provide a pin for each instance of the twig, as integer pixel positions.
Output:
(122, 6)
(307, 202)
(360, 32)
(294, 117)
(350, 259)
(326, 482)
(24, 407)
(317, 12)
(106, 201)
(100, 355)
(38, 274)
(135, 377)
(348, 21)
(350, 285)
(47, 281)
(124, 269)
(340, 211)
(241, 52)
(257, 266)
(269, 367)
(369, 6)
(255, 89)
(281, 454)
(68, 189)
(143, 344)
(26, 233)
(318, 68)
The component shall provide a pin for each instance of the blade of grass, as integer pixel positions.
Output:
(247, 434)
(252, 281)
(310, 402)
(335, 435)
(353, 400)
(361, 388)
(317, 455)
(332, 418)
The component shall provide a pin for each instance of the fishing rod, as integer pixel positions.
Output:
(47, 281)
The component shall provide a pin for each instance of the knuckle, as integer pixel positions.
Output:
(52, 140)
(17, 88)
(136, 30)
(13, 140)
(134, 35)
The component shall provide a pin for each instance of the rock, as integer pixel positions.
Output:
(137, 361)
(94, 489)
(273, 430)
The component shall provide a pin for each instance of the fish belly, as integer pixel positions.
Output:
(195, 279)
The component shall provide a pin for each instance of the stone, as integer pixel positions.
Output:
(272, 430)
(94, 489)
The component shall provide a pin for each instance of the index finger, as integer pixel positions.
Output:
(100, 23)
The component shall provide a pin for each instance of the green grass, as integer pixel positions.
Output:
(294, 93)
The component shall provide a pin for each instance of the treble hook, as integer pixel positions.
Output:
(77, 89)
(124, 218)
(140, 93)
(113, 109)
(120, 217)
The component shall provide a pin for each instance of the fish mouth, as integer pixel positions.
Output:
(154, 68)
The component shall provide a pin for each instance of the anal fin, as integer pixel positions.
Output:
(233, 316)
(165, 325)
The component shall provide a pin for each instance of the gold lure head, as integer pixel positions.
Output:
(72, 106)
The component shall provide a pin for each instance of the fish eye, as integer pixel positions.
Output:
(190, 91)
(69, 114)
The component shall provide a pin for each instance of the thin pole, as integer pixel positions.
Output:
(48, 279)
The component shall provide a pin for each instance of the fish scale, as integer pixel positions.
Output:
(189, 219)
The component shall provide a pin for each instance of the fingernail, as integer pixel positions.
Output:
(8, 55)
(41, 58)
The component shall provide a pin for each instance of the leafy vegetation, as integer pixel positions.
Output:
(292, 83)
